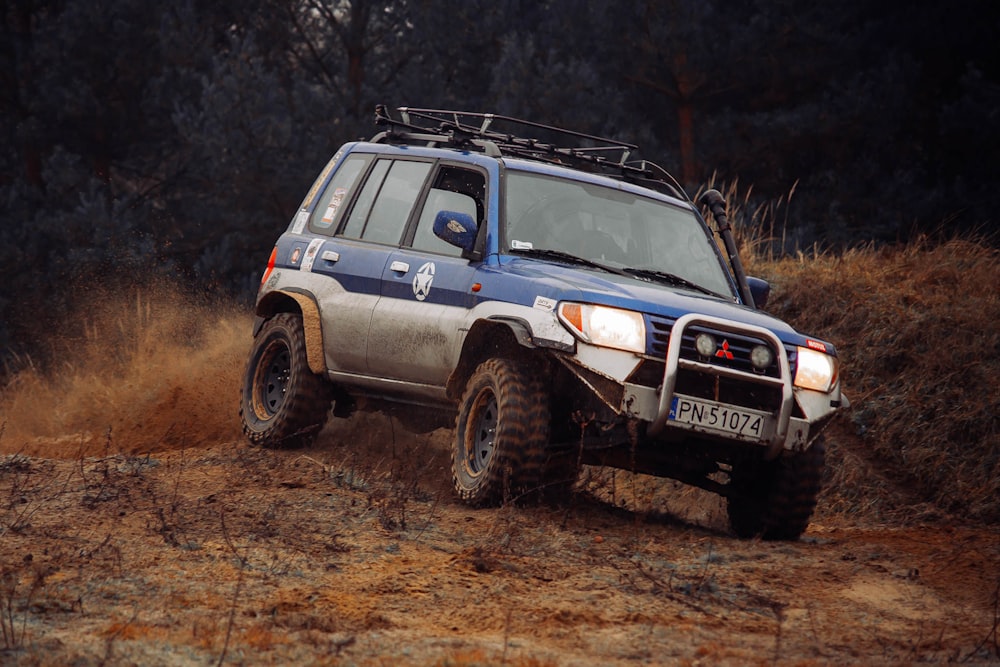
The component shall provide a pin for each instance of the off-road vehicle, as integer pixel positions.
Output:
(556, 302)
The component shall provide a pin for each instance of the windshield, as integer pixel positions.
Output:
(611, 227)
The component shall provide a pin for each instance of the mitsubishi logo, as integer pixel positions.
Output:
(723, 351)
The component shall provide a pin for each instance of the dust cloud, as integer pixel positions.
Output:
(145, 370)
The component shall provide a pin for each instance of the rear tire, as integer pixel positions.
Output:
(283, 403)
(775, 500)
(501, 434)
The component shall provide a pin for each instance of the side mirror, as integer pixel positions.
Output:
(458, 229)
(760, 290)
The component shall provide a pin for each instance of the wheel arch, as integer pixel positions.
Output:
(304, 303)
(510, 338)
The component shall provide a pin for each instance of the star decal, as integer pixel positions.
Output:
(422, 281)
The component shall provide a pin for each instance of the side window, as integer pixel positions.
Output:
(325, 214)
(363, 206)
(385, 202)
(454, 189)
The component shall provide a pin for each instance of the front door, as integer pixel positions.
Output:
(418, 326)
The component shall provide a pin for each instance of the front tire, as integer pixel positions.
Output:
(775, 500)
(283, 403)
(501, 435)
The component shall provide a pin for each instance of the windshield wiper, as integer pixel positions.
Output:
(643, 274)
(671, 279)
(568, 257)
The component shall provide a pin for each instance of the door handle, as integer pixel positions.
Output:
(399, 267)
(330, 255)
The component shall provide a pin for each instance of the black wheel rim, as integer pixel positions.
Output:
(481, 439)
(274, 371)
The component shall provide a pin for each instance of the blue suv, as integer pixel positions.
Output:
(556, 302)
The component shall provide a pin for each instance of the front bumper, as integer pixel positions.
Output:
(782, 429)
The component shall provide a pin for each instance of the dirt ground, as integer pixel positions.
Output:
(355, 552)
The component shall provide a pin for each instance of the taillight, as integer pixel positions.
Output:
(270, 266)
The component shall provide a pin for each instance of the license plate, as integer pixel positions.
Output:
(718, 417)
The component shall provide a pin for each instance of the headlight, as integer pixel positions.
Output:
(815, 370)
(605, 326)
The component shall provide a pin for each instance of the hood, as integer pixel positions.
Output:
(575, 283)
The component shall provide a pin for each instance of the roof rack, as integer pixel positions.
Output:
(475, 131)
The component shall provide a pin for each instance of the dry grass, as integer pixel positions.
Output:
(917, 329)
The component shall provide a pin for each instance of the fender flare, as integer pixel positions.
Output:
(519, 327)
(312, 324)
(474, 350)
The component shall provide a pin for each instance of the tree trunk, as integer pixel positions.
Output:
(686, 87)
(685, 123)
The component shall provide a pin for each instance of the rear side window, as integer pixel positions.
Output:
(366, 198)
(324, 216)
(386, 201)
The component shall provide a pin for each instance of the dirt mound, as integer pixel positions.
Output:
(916, 327)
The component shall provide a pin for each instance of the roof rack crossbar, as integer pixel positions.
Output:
(471, 131)
(488, 118)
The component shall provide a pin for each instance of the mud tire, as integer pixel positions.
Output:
(775, 500)
(501, 434)
(283, 404)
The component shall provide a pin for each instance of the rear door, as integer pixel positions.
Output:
(369, 232)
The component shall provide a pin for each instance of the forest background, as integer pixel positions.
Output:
(172, 141)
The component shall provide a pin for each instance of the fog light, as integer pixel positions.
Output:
(761, 357)
(705, 344)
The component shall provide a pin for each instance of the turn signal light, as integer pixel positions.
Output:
(270, 266)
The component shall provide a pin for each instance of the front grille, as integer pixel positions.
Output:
(658, 335)
(733, 352)
(738, 345)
